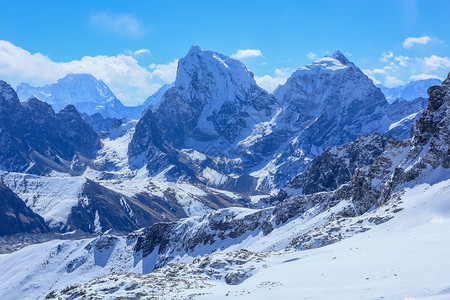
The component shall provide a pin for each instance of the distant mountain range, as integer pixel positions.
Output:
(88, 94)
(410, 91)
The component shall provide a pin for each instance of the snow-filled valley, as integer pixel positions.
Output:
(215, 188)
(405, 257)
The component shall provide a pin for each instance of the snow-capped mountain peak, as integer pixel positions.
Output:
(88, 86)
(73, 89)
(328, 85)
(214, 103)
(205, 68)
(341, 57)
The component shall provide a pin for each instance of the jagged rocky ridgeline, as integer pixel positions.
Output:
(37, 140)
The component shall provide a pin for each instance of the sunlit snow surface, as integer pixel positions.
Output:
(406, 257)
(51, 197)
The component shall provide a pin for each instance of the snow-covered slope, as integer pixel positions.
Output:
(403, 258)
(410, 91)
(15, 216)
(50, 197)
(414, 239)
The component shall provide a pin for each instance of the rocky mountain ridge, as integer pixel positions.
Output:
(36, 140)
(207, 122)
(399, 164)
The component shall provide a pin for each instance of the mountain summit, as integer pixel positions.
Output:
(341, 57)
(214, 103)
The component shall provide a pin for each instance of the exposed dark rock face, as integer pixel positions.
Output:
(16, 217)
(112, 210)
(119, 212)
(36, 140)
(99, 123)
(433, 126)
(76, 133)
(336, 166)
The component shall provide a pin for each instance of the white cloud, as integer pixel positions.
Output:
(369, 73)
(409, 42)
(141, 51)
(391, 81)
(379, 71)
(311, 56)
(386, 56)
(270, 83)
(424, 76)
(124, 25)
(130, 82)
(242, 54)
(435, 62)
(402, 60)
(166, 72)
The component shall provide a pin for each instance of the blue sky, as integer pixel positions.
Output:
(133, 45)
